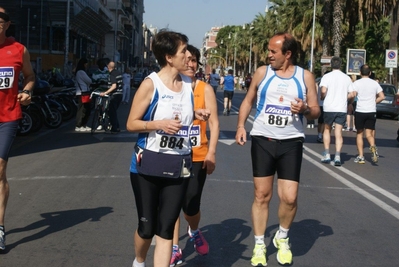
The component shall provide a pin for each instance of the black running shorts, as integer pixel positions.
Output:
(282, 156)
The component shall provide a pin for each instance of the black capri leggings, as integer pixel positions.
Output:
(192, 200)
(158, 202)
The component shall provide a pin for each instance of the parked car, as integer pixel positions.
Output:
(137, 79)
(388, 106)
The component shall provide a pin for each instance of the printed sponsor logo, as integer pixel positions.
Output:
(282, 110)
(183, 132)
(6, 72)
(195, 130)
(167, 97)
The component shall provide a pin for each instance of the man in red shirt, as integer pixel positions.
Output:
(15, 58)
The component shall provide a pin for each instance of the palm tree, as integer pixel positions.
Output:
(326, 31)
(337, 26)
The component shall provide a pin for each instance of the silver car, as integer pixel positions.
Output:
(388, 106)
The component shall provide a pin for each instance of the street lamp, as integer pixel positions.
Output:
(235, 52)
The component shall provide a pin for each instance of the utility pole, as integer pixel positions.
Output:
(67, 37)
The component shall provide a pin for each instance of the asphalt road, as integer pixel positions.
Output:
(71, 202)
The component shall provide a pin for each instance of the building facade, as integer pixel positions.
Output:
(60, 31)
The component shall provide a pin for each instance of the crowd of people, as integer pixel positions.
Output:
(174, 154)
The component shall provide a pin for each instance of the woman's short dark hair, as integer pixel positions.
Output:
(166, 43)
(81, 65)
(195, 52)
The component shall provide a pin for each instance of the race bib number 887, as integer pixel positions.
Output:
(278, 116)
(6, 77)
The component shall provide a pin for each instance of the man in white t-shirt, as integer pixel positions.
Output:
(368, 93)
(335, 89)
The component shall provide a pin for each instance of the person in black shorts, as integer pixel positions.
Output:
(277, 139)
(15, 59)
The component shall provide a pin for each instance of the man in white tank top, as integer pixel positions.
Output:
(285, 93)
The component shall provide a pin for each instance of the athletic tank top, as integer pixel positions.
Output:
(11, 54)
(199, 140)
(229, 83)
(273, 117)
(167, 104)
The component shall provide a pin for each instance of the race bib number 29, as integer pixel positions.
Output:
(278, 116)
(6, 77)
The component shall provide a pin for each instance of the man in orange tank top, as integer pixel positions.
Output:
(14, 59)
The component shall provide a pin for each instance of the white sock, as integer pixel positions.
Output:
(282, 233)
(138, 264)
(259, 239)
(192, 232)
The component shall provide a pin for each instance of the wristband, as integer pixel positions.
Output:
(28, 92)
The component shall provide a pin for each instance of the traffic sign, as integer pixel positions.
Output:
(391, 58)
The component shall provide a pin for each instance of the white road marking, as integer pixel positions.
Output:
(394, 212)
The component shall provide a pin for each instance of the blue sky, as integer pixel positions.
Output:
(195, 17)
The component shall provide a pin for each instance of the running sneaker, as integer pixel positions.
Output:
(374, 157)
(79, 129)
(359, 160)
(86, 128)
(319, 140)
(200, 244)
(2, 240)
(337, 161)
(259, 255)
(326, 158)
(376, 151)
(284, 254)
(228, 112)
(99, 128)
(177, 257)
(225, 112)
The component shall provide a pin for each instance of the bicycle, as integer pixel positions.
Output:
(101, 119)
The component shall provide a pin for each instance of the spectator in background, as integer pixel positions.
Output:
(100, 76)
(200, 75)
(82, 84)
(248, 80)
(115, 90)
(126, 79)
(214, 79)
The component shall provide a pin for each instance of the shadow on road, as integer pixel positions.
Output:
(225, 241)
(57, 221)
(303, 236)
